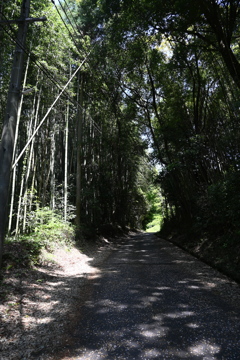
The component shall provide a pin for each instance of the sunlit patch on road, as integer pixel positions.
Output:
(160, 309)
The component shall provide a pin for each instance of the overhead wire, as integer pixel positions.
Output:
(62, 7)
(46, 71)
(64, 22)
(67, 17)
(38, 64)
(47, 113)
(90, 67)
(49, 75)
(57, 98)
(76, 33)
(66, 4)
(132, 141)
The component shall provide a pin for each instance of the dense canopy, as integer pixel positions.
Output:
(154, 106)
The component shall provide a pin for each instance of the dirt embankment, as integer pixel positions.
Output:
(220, 253)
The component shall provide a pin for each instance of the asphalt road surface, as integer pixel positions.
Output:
(151, 300)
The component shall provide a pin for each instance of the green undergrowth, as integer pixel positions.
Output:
(155, 224)
(48, 232)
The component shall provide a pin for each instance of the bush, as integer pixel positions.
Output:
(48, 231)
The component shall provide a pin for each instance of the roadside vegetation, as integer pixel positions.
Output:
(47, 232)
(151, 89)
(155, 225)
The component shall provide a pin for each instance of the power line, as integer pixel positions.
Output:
(38, 64)
(71, 14)
(53, 1)
(48, 74)
(63, 9)
(93, 122)
(63, 21)
(77, 27)
(78, 30)
(47, 113)
(131, 138)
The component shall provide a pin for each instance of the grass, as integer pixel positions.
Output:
(155, 225)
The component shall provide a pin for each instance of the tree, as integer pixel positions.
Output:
(179, 96)
(9, 125)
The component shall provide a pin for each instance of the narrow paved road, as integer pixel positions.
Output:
(151, 300)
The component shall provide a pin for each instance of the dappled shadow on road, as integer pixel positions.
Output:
(153, 301)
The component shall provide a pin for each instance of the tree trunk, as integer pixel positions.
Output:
(9, 126)
(30, 162)
(52, 168)
(65, 187)
(14, 150)
(79, 151)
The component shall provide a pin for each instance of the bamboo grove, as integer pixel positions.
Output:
(158, 84)
(82, 160)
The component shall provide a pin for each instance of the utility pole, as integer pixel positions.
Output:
(9, 124)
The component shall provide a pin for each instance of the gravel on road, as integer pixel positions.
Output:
(151, 300)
